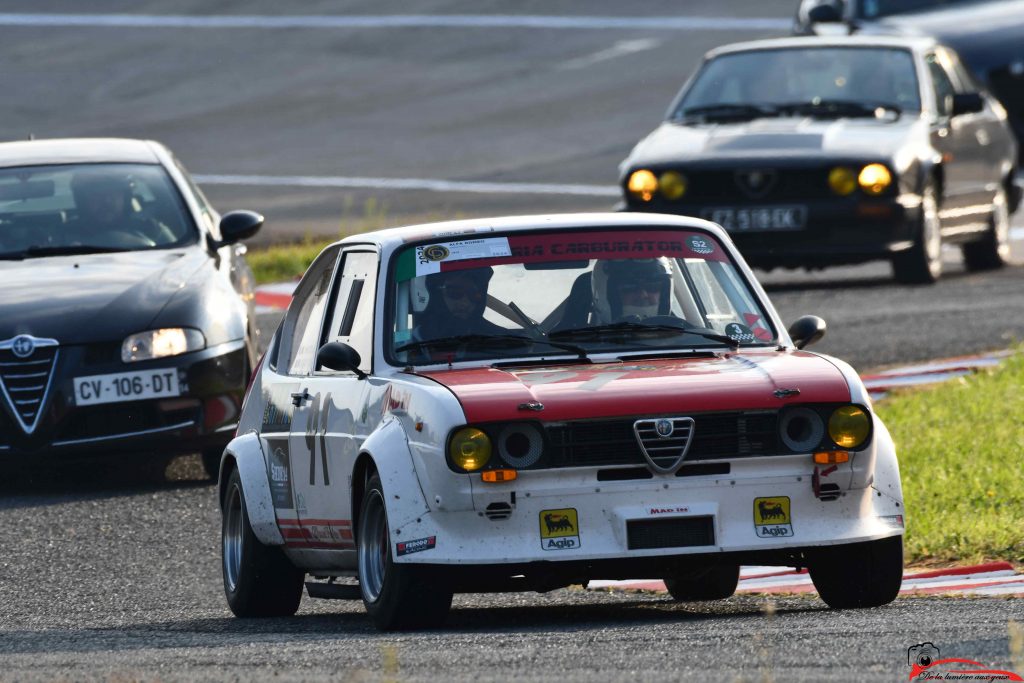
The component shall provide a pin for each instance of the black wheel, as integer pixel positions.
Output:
(259, 581)
(922, 263)
(211, 462)
(993, 250)
(717, 583)
(397, 596)
(865, 574)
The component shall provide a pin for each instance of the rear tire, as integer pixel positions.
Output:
(993, 250)
(259, 581)
(856, 575)
(922, 263)
(396, 596)
(716, 583)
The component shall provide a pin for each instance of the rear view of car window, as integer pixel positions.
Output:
(105, 206)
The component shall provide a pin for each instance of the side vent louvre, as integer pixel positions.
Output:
(496, 511)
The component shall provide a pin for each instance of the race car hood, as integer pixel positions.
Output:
(91, 297)
(742, 381)
(785, 138)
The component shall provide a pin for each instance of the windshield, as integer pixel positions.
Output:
(870, 9)
(773, 80)
(544, 294)
(89, 208)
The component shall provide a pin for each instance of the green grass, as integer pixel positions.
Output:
(961, 452)
(283, 262)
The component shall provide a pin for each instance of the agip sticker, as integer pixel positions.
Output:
(559, 529)
(772, 517)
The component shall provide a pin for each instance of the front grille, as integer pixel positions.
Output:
(669, 446)
(680, 532)
(588, 443)
(726, 186)
(25, 382)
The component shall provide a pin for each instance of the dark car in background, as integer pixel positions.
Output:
(815, 152)
(126, 314)
(987, 34)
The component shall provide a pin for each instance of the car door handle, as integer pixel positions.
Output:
(299, 397)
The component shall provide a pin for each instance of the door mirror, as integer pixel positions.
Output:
(967, 103)
(239, 225)
(825, 13)
(807, 330)
(341, 357)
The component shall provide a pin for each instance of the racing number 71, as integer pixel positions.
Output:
(316, 431)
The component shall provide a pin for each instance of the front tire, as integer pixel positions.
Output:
(993, 250)
(259, 581)
(856, 575)
(396, 596)
(922, 263)
(717, 583)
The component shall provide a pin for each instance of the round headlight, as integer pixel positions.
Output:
(801, 429)
(469, 449)
(874, 178)
(849, 426)
(643, 184)
(673, 185)
(842, 180)
(520, 445)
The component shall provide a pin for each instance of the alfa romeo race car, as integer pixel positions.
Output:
(529, 403)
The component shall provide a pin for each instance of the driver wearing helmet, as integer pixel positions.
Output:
(629, 289)
(105, 213)
(456, 305)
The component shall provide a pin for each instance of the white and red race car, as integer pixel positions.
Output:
(528, 403)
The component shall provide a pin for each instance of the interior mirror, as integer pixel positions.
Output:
(806, 330)
(239, 225)
(339, 356)
(826, 13)
(967, 103)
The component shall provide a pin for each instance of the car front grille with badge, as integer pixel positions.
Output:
(26, 369)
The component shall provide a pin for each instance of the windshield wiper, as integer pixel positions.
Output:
(627, 328)
(488, 339)
(39, 251)
(728, 111)
(838, 108)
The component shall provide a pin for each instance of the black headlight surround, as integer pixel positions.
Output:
(824, 412)
(498, 460)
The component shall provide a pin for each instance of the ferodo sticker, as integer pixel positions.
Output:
(559, 529)
(417, 546)
(772, 518)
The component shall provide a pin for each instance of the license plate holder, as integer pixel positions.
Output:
(126, 386)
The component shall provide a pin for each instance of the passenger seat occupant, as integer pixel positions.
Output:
(456, 305)
(629, 289)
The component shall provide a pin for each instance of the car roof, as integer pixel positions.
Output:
(77, 150)
(917, 43)
(478, 228)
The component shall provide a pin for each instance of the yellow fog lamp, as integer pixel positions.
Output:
(643, 184)
(849, 426)
(673, 185)
(470, 449)
(874, 179)
(842, 180)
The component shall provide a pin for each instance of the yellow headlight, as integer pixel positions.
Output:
(849, 426)
(842, 180)
(470, 449)
(874, 178)
(643, 184)
(673, 185)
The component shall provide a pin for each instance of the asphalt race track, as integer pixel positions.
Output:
(112, 570)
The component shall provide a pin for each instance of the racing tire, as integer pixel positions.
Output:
(993, 250)
(922, 263)
(259, 581)
(855, 575)
(717, 583)
(396, 596)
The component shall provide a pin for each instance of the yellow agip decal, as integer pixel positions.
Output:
(559, 529)
(772, 518)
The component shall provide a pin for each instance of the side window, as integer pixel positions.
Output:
(204, 205)
(351, 319)
(941, 83)
(303, 322)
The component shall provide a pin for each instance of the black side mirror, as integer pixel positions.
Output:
(967, 103)
(825, 13)
(339, 356)
(806, 330)
(239, 225)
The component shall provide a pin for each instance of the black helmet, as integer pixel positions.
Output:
(610, 277)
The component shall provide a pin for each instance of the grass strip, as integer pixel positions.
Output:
(284, 262)
(961, 453)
